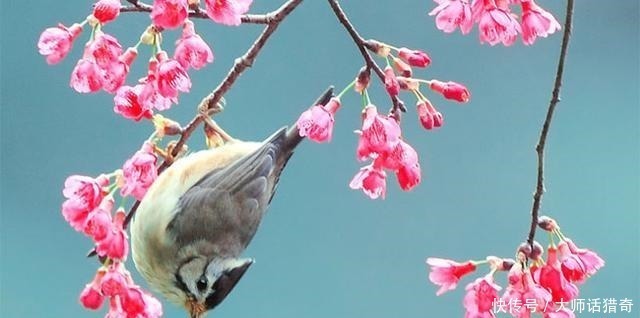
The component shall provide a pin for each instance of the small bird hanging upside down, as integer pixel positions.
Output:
(201, 213)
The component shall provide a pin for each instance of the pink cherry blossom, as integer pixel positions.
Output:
(115, 245)
(227, 12)
(552, 278)
(128, 104)
(498, 24)
(104, 49)
(451, 14)
(191, 49)
(55, 43)
(571, 265)
(379, 133)
(83, 195)
(114, 282)
(150, 96)
(86, 77)
(391, 82)
(522, 288)
(169, 14)
(172, 78)
(316, 123)
(429, 117)
(451, 90)
(591, 261)
(409, 176)
(99, 221)
(133, 302)
(153, 307)
(106, 10)
(372, 180)
(447, 273)
(478, 301)
(90, 297)
(536, 22)
(415, 58)
(116, 73)
(401, 155)
(139, 172)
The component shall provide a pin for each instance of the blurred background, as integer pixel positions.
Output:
(324, 250)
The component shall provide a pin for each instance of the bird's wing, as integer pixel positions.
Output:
(225, 207)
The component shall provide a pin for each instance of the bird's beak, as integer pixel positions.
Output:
(195, 309)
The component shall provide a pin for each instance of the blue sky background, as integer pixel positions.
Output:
(324, 250)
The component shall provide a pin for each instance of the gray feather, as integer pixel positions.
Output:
(225, 207)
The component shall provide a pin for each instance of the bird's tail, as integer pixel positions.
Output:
(293, 137)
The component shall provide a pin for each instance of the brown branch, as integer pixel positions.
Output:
(274, 19)
(555, 98)
(362, 47)
(198, 13)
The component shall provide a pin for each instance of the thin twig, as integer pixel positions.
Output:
(362, 47)
(555, 98)
(274, 19)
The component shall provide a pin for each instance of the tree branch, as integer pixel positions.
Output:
(273, 20)
(362, 47)
(137, 6)
(555, 98)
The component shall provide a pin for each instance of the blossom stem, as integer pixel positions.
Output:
(360, 43)
(555, 98)
(346, 89)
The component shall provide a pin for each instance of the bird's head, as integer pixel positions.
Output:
(205, 283)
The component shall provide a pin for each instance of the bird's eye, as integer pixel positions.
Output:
(201, 284)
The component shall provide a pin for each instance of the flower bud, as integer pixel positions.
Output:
(403, 68)
(451, 90)
(106, 10)
(546, 223)
(380, 48)
(363, 79)
(391, 82)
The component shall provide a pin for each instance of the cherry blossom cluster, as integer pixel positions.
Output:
(535, 285)
(380, 137)
(89, 209)
(105, 64)
(497, 23)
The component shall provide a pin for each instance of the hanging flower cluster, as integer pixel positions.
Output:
(105, 65)
(535, 285)
(380, 137)
(497, 23)
(89, 209)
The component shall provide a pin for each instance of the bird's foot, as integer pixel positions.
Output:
(215, 135)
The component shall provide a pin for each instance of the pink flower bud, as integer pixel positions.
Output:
(115, 244)
(548, 224)
(55, 43)
(451, 90)
(428, 115)
(363, 79)
(403, 68)
(391, 82)
(316, 123)
(91, 298)
(414, 57)
(106, 10)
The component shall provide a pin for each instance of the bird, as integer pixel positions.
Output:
(195, 221)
